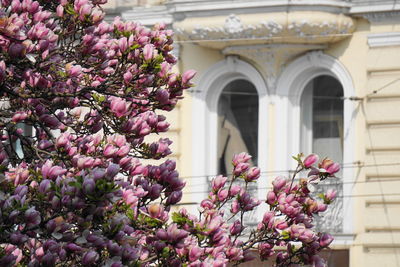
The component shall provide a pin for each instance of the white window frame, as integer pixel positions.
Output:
(290, 86)
(205, 121)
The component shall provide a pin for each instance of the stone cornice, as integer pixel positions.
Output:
(185, 8)
(281, 27)
(380, 16)
(380, 11)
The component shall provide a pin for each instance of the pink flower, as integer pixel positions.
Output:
(119, 106)
(240, 158)
(235, 207)
(280, 224)
(252, 174)
(207, 204)
(241, 168)
(52, 172)
(271, 198)
(129, 197)
(110, 151)
(32, 217)
(235, 189)
(330, 195)
(218, 182)
(155, 210)
(123, 44)
(188, 75)
(333, 168)
(310, 160)
(195, 253)
(322, 207)
(222, 194)
(128, 77)
(149, 52)
(268, 216)
(90, 258)
(236, 228)
(14, 251)
(279, 183)
(162, 96)
(75, 70)
(60, 11)
(325, 240)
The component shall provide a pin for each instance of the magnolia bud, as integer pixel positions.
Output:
(333, 168)
(310, 160)
(325, 240)
(90, 257)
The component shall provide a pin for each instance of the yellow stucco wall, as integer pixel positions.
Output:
(376, 218)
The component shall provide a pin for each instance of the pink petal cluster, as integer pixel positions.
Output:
(76, 191)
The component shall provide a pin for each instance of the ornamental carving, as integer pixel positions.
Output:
(278, 27)
(232, 29)
(306, 28)
(233, 24)
(380, 16)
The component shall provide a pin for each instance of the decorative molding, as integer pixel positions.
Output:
(218, 7)
(270, 59)
(383, 39)
(233, 24)
(233, 28)
(380, 16)
(320, 27)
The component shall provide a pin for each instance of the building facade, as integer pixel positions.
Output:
(279, 77)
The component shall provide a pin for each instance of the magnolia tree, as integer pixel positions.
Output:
(73, 190)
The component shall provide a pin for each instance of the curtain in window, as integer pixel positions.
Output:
(237, 123)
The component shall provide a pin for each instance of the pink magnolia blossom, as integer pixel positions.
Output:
(78, 191)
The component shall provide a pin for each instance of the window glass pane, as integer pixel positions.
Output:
(322, 133)
(327, 141)
(237, 123)
(327, 118)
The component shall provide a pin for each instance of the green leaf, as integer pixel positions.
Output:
(152, 222)
(178, 218)
(99, 98)
(130, 214)
(285, 235)
(75, 184)
(133, 47)
(165, 252)
(69, 8)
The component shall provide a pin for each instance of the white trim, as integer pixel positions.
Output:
(378, 6)
(204, 122)
(383, 39)
(148, 16)
(289, 89)
(206, 7)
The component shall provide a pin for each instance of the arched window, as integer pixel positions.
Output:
(322, 133)
(234, 89)
(237, 123)
(322, 118)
